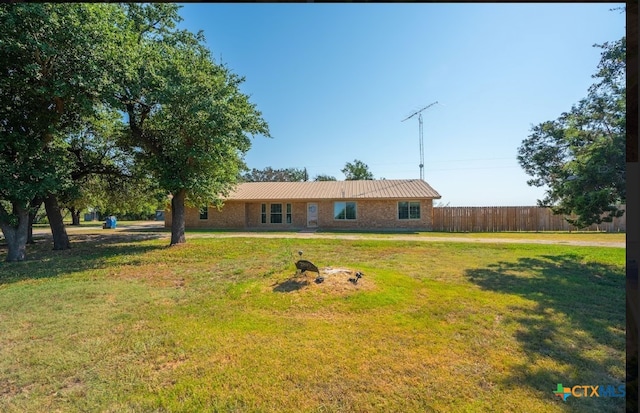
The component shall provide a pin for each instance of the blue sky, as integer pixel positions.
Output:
(334, 82)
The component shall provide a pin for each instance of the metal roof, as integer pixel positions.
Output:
(316, 190)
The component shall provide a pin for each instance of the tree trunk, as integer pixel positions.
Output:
(75, 216)
(177, 218)
(16, 236)
(33, 210)
(60, 237)
(32, 216)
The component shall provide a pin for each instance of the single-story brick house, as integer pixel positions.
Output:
(367, 205)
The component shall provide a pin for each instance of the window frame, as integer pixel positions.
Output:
(263, 213)
(274, 215)
(289, 214)
(345, 209)
(409, 216)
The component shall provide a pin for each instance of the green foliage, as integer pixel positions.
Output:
(189, 122)
(55, 65)
(56, 62)
(580, 157)
(121, 196)
(105, 175)
(67, 74)
(357, 171)
(29, 168)
(276, 175)
(323, 177)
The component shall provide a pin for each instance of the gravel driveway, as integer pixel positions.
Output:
(158, 229)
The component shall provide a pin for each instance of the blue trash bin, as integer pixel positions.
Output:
(110, 222)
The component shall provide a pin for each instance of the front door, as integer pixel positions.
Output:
(312, 215)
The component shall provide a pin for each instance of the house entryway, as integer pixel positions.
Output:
(312, 215)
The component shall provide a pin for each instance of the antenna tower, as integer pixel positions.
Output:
(419, 113)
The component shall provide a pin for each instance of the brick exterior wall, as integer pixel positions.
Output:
(230, 216)
(370, 215)
(375, 214)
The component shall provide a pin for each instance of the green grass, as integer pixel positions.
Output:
(221, 324)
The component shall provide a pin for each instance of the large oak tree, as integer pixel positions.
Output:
(54, 65)
(580, 157)
(189, 122)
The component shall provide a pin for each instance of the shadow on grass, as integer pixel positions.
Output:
(577, 321)
(143, 230)
(289, 285)
(88, 251)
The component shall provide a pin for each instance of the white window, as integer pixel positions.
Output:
(276, 214)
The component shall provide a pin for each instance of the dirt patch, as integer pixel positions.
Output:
(73, 386)
(8, 388)
(330, 279)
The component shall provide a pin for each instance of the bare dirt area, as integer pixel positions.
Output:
(337, 280)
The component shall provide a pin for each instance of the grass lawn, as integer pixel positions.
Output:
(120, 324)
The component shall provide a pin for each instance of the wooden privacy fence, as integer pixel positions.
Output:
(494, 219)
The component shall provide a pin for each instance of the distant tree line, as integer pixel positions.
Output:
(276, 175)
(353, 171)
